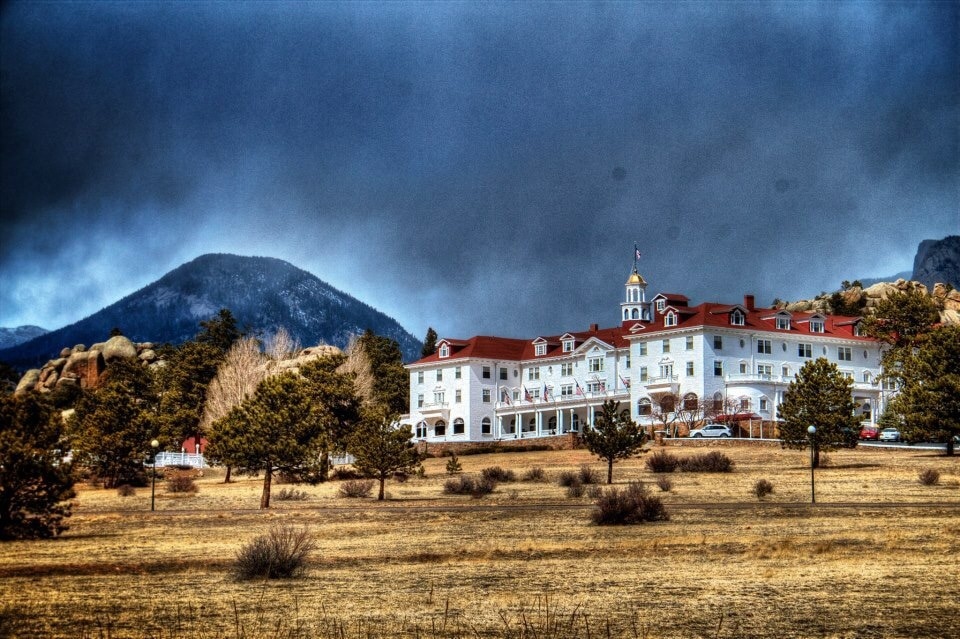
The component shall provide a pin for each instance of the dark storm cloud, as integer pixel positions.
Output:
(481, 168)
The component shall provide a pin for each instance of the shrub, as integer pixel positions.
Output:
(568, 478)
(588, 475)
(631, 505)
(664, 483)
(497, 474)
(762, 488)
(280, 554)
(126, 490)
(662, 462)
(929, 477)
(345, 473)
(181, 484)
(535, 474)
(575, 490)
(291, 494)
(713, 462)
(594, 491)
(467, 485)
(400, 477)
(356, 488)
(453, 465)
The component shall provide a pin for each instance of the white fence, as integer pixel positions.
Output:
(181, 459)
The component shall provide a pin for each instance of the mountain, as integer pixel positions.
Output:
(10, 337)
(938, 261)
(263, 294)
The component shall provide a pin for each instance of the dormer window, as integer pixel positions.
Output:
(816, 325)
(670, 319)
(783, 323)
(568, 346)
(858, 329)
(540, 349)
(737, 318)
(661, 304)
(444, 351)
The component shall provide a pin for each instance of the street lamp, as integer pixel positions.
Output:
(812, 431)
(153, 479)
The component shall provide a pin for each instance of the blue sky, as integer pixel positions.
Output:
(479, 168)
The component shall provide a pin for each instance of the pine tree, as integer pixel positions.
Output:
(35, 482)
(381, 446)
(820, 396)
(391, 382)
(335, 402)
(277, 430)
(429, 343)
(614, 436)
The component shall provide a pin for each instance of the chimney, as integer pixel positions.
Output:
(594, 328)
(748, 302)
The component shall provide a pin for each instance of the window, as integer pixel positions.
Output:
(457, 396)
(642, 349)
(718, 401)
(805, 350)
(575, 423)
(783, 323)
(566, 390)
(485, 372)
(440, 429)
(764, 404)
(666, 371)
(844, 353)
(503, 373)
(858, 329)
(420, 377)
(643, 373)
(744, 403)
(552, 423)
(439, 375)
(690, 401)
(595, 364)
(689, 369)
(486, 395)
(643, 406)
(764, 346)
(444, 351)
(718, 368)
(540, 349)
(626, 362)
(458, 426)
(535, 394)
(785, 371)
(566, 369)
(743, 368)
(485, 426)
(456, 373)
(847, 374)
(533, 373)
(866, 377)
(666, 346)
(421, 430)
(661, 304)
(670, 319)
(737, 318)
(764, 370)
(688, 343)
(438, 397)
(816, 326)
(568, 346)
(595, 387)
(420, 400)
(668, 404)
(718, 342)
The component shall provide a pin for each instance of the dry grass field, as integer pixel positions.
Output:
(878, 556)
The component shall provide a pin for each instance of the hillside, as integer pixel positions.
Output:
(10, 337)
(262, 293)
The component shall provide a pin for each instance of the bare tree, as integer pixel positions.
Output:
(664, 413)
(281, 345)
(358, 364)
(690, 412)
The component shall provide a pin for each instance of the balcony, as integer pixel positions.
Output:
(436, 409)
(758, 378)
(567, 401)
(660, 386)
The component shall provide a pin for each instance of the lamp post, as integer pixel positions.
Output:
(812, 431)
(153, 479)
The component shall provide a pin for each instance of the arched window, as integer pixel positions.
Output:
(668, 404)
(458, 426)
(636, 314)
(866, 410)
(736, 317)
(421, 430)
(643, 406)
(626, 314)
(690, 401)
(512, 428)
(866, 377)
(670, 319)
(552, 423)
(440, 428)
(532, 424)
(718, 402)
(575, 423)
(485, 426)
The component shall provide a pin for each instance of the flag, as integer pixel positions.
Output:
(506, 395)
(545, 391)
(526, 395)
(579, 390)
(626, 382)
(636, 252)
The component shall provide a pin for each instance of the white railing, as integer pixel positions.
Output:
(180, 459)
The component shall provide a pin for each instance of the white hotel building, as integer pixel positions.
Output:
(662, 353)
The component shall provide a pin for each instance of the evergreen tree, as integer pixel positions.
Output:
(276, 430)
(335, 403)
(220, 331)
(928, 403)
(429, 343)
(381, 446)
(391, 382)
(34, 480)
(614, 436)
(113, 425)
(820, 396)
(903, 320)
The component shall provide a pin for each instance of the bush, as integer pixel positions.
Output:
(126, 490)
(400, 477)
(664, 483)
(588, 475)
(535, 474)
(498, 475)
(575, 490)
(291, 494)
(453, 465)
(345, 473)
(467, 485)
(662, 462)
(632, 505)
(594, 492)
(355, 488)
(181, 484)
(929, 477)
(713, 462)
(280, 554)
(568, 478)
(762, 488)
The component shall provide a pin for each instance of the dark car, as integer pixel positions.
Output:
(870, 432)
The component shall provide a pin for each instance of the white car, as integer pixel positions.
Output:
(889, 435)
(711, 430)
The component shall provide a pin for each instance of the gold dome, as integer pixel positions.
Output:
(636, 278)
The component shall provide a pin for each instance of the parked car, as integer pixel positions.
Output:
(711, 430)
(870, 432)
(889, 435)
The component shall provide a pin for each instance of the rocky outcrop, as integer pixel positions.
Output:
(938, 261)
(944, 296)
(82, 367)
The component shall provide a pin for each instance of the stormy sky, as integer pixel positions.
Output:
(479, 168)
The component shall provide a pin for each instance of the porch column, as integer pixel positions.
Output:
(559, 421)
(539, 423)
(517, 426)
(499, 426)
